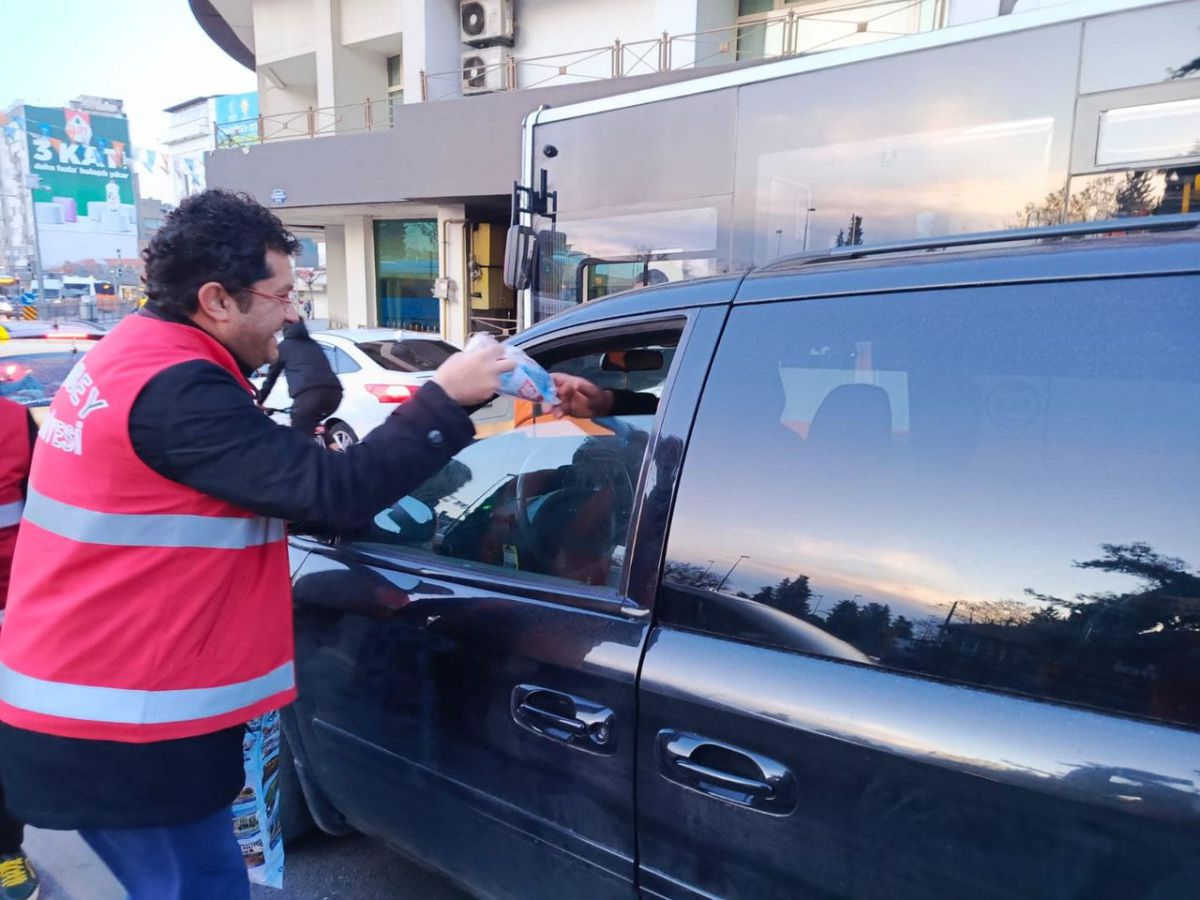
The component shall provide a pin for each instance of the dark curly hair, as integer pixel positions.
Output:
(218, 236)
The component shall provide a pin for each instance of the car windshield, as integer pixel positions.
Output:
(31, 379)
(413, 355)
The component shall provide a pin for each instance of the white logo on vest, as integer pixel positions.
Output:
(79, 388)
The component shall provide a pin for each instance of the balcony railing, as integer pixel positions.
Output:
(771, 35)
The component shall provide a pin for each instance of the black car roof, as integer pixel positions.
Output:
(1107, 257)
(1085, 251)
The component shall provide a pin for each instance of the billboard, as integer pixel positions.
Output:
(84, 198)
(237, 119)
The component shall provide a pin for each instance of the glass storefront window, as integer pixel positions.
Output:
(406, 265)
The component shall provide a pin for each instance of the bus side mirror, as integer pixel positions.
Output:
(518, 256)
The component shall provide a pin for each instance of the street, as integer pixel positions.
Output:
(319, 868)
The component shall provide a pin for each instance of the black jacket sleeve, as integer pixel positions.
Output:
(633, 403)
(194, 424)
(269, 381)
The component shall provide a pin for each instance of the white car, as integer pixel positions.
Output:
(35, 357)
(378, 368)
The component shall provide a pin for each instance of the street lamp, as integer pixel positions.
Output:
(730, 572)
(807, 215)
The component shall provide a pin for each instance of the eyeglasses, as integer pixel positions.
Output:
(289, 299)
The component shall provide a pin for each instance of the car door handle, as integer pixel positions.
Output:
(726, 772)
(573, 727)
(564, 717)
(750, 786)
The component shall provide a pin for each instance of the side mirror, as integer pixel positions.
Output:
(409, 519)
(632, 361)
(518, 256)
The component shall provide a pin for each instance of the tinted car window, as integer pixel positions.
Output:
(534, 494)
(408, 355)
(996, 486)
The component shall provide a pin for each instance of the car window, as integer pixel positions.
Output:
(32, 379)
(408, 355)
(339, 360)
(344, 364)
(551, 498)
(994, 486)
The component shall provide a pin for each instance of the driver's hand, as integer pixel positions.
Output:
(579, 397)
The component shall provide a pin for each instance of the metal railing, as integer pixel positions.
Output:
(307, 123)
(102, 309)
(769, 35)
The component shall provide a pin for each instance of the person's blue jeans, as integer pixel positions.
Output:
(197, 860)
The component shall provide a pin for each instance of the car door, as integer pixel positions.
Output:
(467, 666)
(929, 623)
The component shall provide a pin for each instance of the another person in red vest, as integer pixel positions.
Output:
(18, 881)
(149, 616)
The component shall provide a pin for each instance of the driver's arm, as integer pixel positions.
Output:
(581, 398)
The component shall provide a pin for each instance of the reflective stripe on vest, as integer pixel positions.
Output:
(10, 513)
(133, 707)
(87, 526)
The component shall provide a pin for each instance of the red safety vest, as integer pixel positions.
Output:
(14, 469)
(141, 609)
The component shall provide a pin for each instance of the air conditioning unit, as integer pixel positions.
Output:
(486, 23)
(484, 69)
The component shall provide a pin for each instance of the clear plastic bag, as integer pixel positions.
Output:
(528, 380)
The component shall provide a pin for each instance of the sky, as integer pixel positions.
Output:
(150, 53)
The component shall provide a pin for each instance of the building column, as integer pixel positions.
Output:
(360, 271)
(452, 256)
(346, 77)
(335, 276)
(432, 43)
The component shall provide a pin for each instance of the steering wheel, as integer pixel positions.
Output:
(572, 516)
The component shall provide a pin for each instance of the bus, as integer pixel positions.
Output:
(1080, 111)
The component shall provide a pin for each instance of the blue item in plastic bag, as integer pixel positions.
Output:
(527, 380)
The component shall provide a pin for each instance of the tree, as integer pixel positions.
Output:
(994, 612)
(1186, 69)
(855, 235)
(1102, 197)
(1136, 196)
(790, 595)
(842, 620)
(691, 575)
(1168, 598)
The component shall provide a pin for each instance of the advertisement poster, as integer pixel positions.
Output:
(237, 119)
(84, 200)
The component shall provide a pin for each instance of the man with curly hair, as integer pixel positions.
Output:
(149, 615)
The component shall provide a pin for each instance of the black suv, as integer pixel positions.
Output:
(881, 581)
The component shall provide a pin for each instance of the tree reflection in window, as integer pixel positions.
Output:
(1136, 651)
